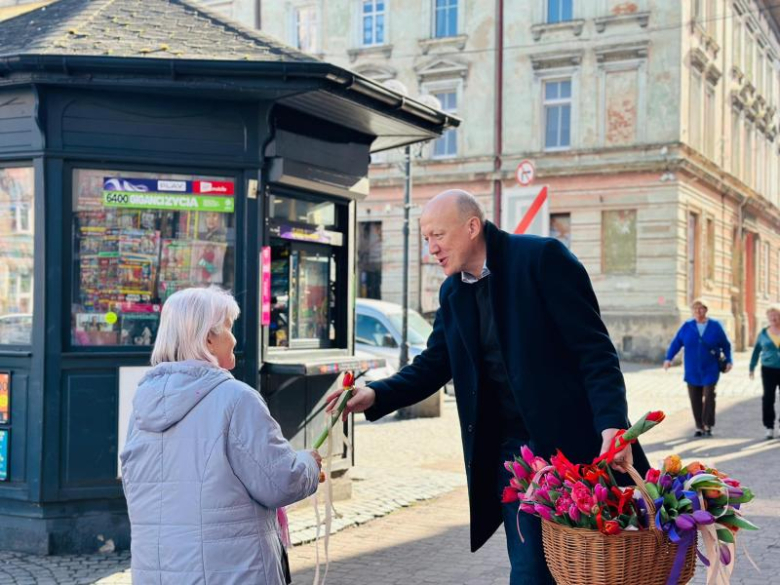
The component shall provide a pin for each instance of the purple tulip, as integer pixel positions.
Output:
(703, 517)
(725, 554)
(574, 513)
(685, 522)
(665, 482)
(735, 492)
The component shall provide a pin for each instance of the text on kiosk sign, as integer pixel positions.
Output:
(132, 193)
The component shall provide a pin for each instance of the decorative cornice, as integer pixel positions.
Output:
(624, 52)
(384, 50)
(459, 42)
(576, 27)
(555, 60)
(642, 18)
(713, 74)
(737, 100)
(699, 59)
(441, 68)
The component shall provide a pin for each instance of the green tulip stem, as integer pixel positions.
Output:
(336, 415)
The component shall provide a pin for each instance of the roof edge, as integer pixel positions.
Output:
(332, 74)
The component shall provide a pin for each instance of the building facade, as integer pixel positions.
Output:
(653, 124)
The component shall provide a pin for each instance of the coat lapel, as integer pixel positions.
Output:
(464, 307)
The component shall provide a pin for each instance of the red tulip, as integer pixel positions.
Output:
(611, 527)
(510, 495)
(349, 380)
(652, 475)
(656, 416)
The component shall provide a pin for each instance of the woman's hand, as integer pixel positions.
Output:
(318, 459)
(667, 364)
(752, 375)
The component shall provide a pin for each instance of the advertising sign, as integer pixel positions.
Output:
(130, 193)
(5, 398)
(265, 262)
(3, 454)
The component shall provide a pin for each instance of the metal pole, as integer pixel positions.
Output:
(404, 358)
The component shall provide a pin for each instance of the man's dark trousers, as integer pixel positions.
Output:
(527, 559)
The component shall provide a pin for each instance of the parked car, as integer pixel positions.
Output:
(378, 333)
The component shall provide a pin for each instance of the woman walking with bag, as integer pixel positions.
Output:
(707, 354)
(768, 347)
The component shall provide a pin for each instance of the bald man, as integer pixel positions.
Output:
(520, 334)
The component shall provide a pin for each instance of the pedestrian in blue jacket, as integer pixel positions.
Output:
(703, 339)
(768, 347)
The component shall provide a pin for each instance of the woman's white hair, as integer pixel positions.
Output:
(188, 316)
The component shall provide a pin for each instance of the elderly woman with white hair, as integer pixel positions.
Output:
(768, 348)
(206, 470)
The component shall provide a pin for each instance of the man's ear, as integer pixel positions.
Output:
(474, 226)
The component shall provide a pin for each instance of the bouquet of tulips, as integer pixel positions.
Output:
(576, 495)
(695, 497)
(687, 499)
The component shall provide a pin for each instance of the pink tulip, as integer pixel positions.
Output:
(519, 471)
(574, 513)
(543, 511)
(537, 464)
(601, 493)
(527, 454)
(527, 508)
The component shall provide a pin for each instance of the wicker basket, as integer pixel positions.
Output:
(578, 556)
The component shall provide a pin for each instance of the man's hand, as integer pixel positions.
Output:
(728, 368)
(752, 375)
(624, 458)
(667, 364)
(362, 399)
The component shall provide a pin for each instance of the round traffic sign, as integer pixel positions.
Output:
(525, 173)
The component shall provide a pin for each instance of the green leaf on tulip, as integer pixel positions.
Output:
(738, 521)
(725, 535)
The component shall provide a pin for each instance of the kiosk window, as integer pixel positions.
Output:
(321, 213)
(137, 239)
(16, 255)
(303, 280)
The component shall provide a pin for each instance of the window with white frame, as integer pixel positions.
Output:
(747, 165)
(694, 110)
(559, 11)
(765, 271)
(760, 73)
(372, 22)
(709, 121)
(736, 40)
(557, 114)
(736, 135)
(447, 145)
(445, 18)
(306, 28)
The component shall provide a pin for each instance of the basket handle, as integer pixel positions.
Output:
(640, 485)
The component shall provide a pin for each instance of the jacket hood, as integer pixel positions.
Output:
(170, 390)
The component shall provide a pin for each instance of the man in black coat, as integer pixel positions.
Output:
(520, 334)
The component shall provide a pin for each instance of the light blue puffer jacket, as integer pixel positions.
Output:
(204, 469)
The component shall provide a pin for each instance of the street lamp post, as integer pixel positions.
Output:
(404, 357)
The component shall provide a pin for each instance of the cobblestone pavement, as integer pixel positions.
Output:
(400, 463)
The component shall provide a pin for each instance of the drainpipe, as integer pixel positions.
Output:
(258, 14)
(741, 298)
(499, 105)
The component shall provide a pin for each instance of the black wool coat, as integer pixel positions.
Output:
(563, 369)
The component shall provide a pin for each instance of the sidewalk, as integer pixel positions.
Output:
(401, 463)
